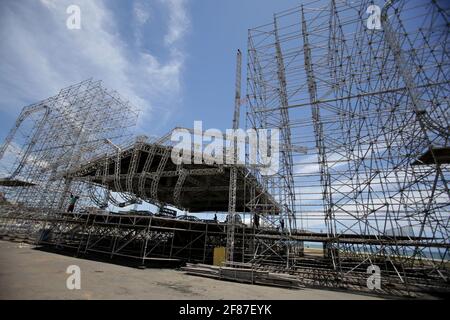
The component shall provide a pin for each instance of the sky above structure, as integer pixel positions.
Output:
(173, 59)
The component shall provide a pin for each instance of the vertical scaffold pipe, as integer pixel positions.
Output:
(233, 169)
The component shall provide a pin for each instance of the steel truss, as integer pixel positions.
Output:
(363, 116)
(56, 135)
(372, 109)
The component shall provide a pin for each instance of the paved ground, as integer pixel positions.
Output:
(26, 273)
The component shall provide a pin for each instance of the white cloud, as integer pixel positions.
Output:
(141, 12)
(39, 55)
(49, 3)
(178, 21)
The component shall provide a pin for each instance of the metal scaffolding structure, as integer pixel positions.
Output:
(362, 111)
(54, 136)
(371, 106)
(234, 170)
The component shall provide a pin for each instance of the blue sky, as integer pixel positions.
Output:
(174, 59)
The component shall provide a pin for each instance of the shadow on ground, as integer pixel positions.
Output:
(122, 261)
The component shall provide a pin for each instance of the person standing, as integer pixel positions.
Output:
(256, 220)
(73, 199)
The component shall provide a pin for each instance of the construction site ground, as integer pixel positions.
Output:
(27, 273)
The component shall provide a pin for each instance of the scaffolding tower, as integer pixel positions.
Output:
(56, 135)
(369, 102)
(359, 96)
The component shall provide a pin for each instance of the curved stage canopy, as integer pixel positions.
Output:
(147, 171)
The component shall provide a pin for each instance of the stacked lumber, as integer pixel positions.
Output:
(244, 275)
(18, 238)
(202, 270)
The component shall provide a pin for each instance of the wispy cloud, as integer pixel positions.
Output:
(39, 55)
(141, 12)
(178, 21)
